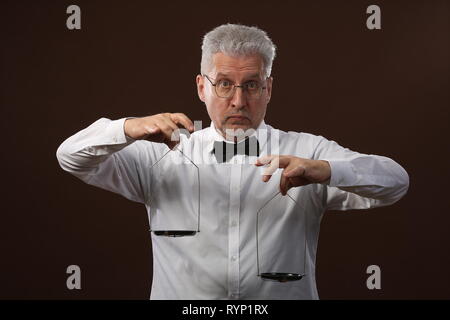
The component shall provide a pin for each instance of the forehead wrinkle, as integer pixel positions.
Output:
(229, 65)
(243, 73)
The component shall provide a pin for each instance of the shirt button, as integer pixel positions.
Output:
(233, 258)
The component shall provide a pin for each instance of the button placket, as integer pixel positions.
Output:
(233, 232)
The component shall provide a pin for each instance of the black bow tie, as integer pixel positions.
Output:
(224, 151)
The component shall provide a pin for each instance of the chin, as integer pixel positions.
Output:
(236, 126)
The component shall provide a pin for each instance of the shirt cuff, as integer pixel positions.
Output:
(129, 139)
(343, 174)
(116, 132)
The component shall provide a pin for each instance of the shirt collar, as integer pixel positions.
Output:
(261, 133)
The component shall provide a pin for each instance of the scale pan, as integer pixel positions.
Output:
(281, 277)
(175, 233)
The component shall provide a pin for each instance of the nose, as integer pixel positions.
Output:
(239, 99)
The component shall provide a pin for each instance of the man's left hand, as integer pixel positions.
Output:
(297, 171)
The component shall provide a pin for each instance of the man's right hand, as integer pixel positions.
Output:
(158, 128)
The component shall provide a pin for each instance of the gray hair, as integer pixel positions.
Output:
(237, 40)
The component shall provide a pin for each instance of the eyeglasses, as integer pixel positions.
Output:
(225, 88)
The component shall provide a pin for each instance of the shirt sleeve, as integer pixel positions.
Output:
(358, 180)
(102, 155)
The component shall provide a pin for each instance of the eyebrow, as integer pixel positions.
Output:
(255, 75)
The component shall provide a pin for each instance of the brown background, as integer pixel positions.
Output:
(382, 92)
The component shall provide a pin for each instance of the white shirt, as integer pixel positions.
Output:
(220, 261)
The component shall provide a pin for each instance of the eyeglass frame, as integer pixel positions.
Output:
(234, 88)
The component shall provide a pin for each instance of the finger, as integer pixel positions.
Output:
(166, 130)
(293, 182)
(270, 169)
(161, 131)
(264, 160)
(278, 162)
(298, 181)
(170, 123)
(182, 119)
(155, 133)
(282, 161)
(298, 171)
(285, 185)
(173, 128)
(176, 131)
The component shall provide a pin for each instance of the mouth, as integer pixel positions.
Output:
(237, 117)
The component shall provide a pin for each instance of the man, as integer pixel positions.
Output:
(222, 261)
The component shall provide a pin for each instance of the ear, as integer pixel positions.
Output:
(200, 87)
(269, 82)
